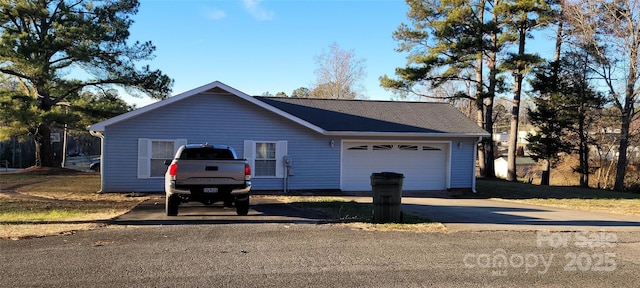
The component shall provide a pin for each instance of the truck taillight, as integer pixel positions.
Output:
(247, 172)
(173, 170)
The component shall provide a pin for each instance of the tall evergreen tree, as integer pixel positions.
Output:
(565, 107)
(449, 42)
(522, 17)
(584, 105)
(550, 119)
(43, 41)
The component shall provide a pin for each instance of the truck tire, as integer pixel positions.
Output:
(242, 207)
(172, 203)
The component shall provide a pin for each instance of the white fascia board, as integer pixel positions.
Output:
(200, 90)
(101, 125)
(401, 134)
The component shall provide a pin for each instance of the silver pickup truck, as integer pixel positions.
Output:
(207, 174)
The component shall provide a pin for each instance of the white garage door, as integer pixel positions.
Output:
(424, 165)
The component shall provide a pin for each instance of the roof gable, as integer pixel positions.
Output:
(213, 87)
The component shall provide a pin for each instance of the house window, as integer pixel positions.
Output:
(265, 162)
(152, 153)
(161, 151)
(266, 158)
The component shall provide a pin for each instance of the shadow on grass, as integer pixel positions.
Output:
(351, 211)
(516, 190)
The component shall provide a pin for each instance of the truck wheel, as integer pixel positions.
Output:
(172, 203)
(242, 207)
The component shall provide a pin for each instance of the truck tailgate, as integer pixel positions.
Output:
(207, 172)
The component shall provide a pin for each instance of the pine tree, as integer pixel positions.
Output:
(44, 41)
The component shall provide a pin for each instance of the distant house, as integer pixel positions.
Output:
(329, 144)
(522, 165)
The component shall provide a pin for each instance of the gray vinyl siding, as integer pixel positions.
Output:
(218, 119)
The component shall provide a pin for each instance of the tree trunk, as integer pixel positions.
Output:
(627, 116)
(513, 135)
(493, 80)
(482, 152)
(491, 93)
(44, 151)
(515, 113)
(489, 148)
(621, 166)
(583, 150)
(482, 156)
(546, 174)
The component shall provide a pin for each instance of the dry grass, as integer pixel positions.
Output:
(422, 227)
(614, 206)
(37, 203)
(358, 215)
(16, 232)
(586, 199)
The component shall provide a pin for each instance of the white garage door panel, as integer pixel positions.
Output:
(422, 169)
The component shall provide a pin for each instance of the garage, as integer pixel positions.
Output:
(425, 165)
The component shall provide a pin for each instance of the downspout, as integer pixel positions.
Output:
(475, 153)
(285, 183)
(101, 136)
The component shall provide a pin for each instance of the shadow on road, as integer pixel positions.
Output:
(451, 214)
(261, 211)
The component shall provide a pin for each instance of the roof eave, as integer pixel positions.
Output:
(216, 84)
(404, 134)
(101, 125)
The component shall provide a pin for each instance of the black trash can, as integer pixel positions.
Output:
(387, 197)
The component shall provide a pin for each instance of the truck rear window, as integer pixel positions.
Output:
(206, 154)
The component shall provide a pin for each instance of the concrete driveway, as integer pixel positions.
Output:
(262, 210)
(456, 214)
(459, 214)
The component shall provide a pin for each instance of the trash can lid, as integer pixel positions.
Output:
(387, 175)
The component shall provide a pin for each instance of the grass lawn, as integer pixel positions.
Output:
(359, 215)
(40, 204)
(44, 204)
(561, 196)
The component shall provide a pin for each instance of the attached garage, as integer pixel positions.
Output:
(425, 165)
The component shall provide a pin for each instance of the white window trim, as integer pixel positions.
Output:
(144, 155)
(250, 156)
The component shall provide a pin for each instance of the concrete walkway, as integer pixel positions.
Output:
(493, 215)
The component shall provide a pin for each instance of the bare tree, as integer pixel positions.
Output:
(612, 28)
(339, 74)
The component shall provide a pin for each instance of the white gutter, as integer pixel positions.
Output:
(101, 136)
(402, 134)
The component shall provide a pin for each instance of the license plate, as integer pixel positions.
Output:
(210, 190)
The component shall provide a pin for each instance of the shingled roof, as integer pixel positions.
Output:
(340, 117)
(378, 116)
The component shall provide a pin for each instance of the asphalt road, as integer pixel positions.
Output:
(278, 247)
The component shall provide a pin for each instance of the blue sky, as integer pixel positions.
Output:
(258, 46)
